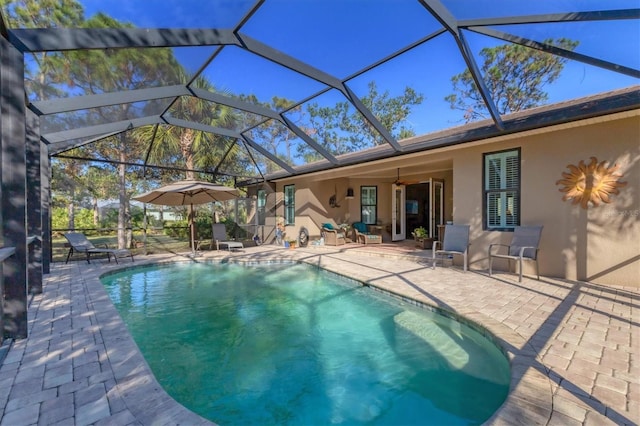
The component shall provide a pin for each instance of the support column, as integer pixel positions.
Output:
(45, 202)
(34, 207)
(14, 192)
(2, 258)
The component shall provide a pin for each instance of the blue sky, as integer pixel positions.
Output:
(340, 37)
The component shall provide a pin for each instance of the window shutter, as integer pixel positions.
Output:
(512, 171)
(502, 189)
(289, 204)
(493, 209)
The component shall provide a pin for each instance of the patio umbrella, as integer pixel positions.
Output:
(188, 193)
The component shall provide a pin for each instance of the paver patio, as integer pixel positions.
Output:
(573, 346)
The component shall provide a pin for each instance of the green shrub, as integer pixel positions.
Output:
(177, 229)
(60, 219)
(180, 229)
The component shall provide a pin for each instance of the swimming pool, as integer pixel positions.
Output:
(292, 344)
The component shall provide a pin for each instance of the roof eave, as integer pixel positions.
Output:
(551, 115)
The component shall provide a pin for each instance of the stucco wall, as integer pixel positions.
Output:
(313, 208)
(600, 244)
(312, 204)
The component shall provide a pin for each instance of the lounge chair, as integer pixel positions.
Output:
(456, 241)
(524, 246)
(220, 237)
(79, 243)
(332, 236)
(362, 235)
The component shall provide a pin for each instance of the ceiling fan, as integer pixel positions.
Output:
(399, 181)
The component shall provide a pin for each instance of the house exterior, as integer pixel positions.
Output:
(492, 184)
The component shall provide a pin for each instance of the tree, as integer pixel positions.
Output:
(515, 77)
(341, 129)
(101, 185)
(55, 74)
(114, 70)
(42, 72)
(68, 188)
(272, 134)
(44, 69)
(196, 148)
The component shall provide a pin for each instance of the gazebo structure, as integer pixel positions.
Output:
(352, 45)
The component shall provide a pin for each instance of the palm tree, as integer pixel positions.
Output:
(198, 149)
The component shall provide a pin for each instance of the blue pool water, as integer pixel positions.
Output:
(294, 345)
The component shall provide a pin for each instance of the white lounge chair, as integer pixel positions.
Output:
(524, 246)
(220, 237)
(456, 241)
(79, 243)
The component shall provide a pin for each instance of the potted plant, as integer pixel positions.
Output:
(421, 236)
(344, 228)
(420, 233)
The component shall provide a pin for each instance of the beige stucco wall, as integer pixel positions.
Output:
(600, 244)
(312, 205)
(313, 209)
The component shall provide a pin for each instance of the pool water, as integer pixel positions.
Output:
(295, 345)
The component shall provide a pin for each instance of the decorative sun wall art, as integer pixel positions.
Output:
(590, 183)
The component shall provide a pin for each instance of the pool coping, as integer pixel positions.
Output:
(529, 401)
(136, 384)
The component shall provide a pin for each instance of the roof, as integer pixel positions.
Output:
(535, 118)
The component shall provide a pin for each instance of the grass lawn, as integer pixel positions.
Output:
(156, 243)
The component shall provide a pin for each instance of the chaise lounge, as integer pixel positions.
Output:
(79, 243)
(220, 238)
(362, 235)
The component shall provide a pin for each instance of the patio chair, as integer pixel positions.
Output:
(362, 235)
(524, 246)
(220, 237)
(456, 241)
(280, 234)
(332, 236)
(79, 243)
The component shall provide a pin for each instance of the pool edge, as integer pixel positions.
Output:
(136, 384)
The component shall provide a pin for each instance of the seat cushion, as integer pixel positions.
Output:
(360, 227)
(232, 244)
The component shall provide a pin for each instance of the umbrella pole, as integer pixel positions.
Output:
(193, 230)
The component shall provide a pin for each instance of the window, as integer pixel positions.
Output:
(369, 204)
(501, 177)
(289, 204)
(262, 206)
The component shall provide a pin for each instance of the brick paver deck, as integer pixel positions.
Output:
(574, 346)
